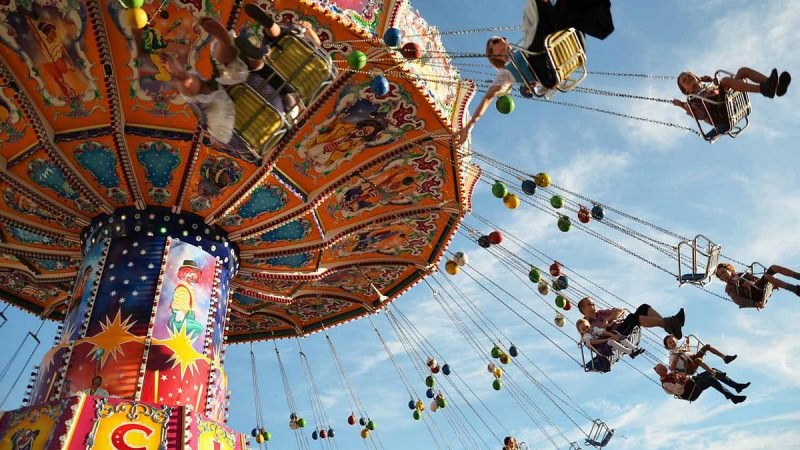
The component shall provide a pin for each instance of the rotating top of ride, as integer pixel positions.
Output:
(354, 202)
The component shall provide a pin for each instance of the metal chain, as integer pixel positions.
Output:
(633, 75)
(615, 113)
(621, 213)
(588, 90)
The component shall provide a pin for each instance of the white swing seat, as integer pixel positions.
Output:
(694, 347)
(600, 363)
(758, 268)
(700, 249)
(600, 434)
(736, 108)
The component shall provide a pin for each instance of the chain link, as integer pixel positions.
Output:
(633, 75)
(594, 91)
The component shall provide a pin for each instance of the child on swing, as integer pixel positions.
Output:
(604, 341)
(682, 359)
(745, 80)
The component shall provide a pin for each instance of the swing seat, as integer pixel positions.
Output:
(601, 363)
(758, 268)
(564, 50)
(700, 249)
(684, 365)
(258, 123)
(600, 434)
(568, 58)
(305, 68)
(692, 277)
(729, 115)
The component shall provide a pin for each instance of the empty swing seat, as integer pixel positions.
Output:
(600, 434)
(701, 250)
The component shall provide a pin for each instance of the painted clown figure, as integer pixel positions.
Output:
(182, 306)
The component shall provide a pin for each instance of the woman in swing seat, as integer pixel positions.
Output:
(747, 291)
(745, 80)
(540, 18)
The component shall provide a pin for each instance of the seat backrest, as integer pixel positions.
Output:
(257, 121)
(737, 105)
(567, 55)
(305, 68)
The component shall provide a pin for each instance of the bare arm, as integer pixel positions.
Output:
(463, 133)
(683, 105)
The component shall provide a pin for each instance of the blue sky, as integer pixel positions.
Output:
(744, 193)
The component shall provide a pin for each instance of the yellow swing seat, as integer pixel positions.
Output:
(568, 58)
(258, 123)
(304, 67)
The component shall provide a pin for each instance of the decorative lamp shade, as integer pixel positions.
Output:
(542, 179)
(511, 201)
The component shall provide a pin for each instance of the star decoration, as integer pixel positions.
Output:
(183, 353)
(115, 332)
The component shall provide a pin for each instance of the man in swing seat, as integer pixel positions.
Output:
(644, 316)
(688, 387)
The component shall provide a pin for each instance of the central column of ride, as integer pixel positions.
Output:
(147, 316)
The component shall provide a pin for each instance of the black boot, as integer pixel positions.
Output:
(673, 325)
(729, 358)
(736, 399)
(783, 84)
(742, 386)
(769, 87)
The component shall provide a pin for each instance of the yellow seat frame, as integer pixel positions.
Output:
(304, 67)
(257, 122)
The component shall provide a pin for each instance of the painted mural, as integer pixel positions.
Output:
(172, 30)
(216, 175)
(27, 206)
(405, 180)
(50, 40)
(12, 128)
(360, 120)
(357, 280)
(49, 176)
(31, 428)
(101, 162)
(264, 199)
(88, 277)
(316, 308)
(401, 236)
(159, 160)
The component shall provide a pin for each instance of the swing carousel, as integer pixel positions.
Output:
(152, 244)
